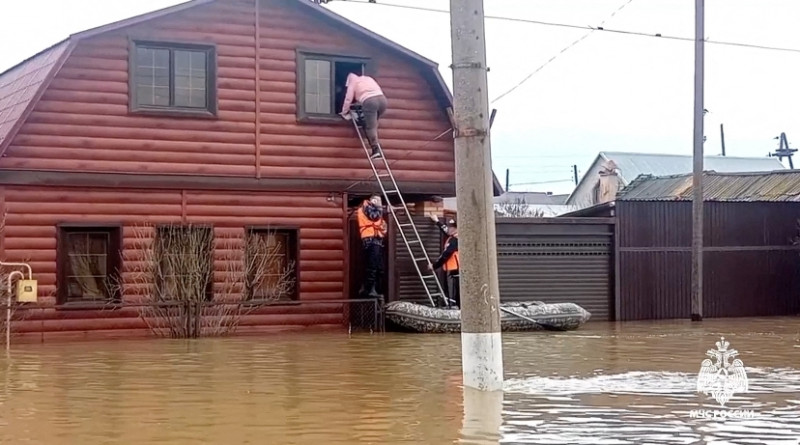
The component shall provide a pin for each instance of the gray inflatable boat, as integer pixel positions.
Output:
(514, 317)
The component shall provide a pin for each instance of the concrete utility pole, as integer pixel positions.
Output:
(481, 343)
(697, 176)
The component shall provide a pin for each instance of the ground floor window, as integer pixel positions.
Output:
(271, 264)
(88, 263)
(184, 262)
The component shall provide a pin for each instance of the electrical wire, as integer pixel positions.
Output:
(589, 27)
(565, 49)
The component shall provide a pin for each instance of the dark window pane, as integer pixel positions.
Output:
(186, 261)
(87, 265)
(270, 265)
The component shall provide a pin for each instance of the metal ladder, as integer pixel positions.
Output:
(408, 230)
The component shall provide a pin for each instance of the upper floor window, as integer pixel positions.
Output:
(321, 83)
(173, 78)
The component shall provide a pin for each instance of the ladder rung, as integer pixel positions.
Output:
(425, 277)
(420, 259)
(415, 241)
(385, 175)
(406, 225)
(391, 191)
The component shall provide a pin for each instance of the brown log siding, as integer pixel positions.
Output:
(82, 122)
(31, 235)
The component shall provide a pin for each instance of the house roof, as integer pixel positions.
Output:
(723, 187)
(23, 84)
(631, 165)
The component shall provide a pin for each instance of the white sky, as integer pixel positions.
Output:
(608, 92)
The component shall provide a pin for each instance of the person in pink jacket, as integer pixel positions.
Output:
(366, 91)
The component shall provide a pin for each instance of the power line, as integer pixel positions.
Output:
(565, 49)
(588, 27)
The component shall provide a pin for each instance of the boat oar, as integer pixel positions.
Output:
(508, 311)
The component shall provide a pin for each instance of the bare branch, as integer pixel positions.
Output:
(517, 209)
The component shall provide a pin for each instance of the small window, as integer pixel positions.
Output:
(89, 264)
(184, 255)
(321, 83)
(271, 264)
(173, 77)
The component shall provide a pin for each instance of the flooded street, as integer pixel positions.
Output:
(603, 384)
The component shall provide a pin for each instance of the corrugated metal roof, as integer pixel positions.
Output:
(731, 187)
(631, 165)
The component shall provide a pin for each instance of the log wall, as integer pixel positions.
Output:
(82, 121)
(33, 213)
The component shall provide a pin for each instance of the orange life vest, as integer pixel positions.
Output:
(367, 227)
(452, 262)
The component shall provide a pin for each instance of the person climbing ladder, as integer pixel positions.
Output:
(366, 91)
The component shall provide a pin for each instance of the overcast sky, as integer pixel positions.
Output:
(609, 92)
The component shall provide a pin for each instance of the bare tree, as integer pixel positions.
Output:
(517, 209)
(173, 275)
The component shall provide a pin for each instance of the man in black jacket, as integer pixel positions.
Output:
(449, 259)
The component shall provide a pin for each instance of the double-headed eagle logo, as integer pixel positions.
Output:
(722, 379)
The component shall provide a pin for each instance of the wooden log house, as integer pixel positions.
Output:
(219, 113)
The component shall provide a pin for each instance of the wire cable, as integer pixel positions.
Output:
(565, 49)
(597, 28)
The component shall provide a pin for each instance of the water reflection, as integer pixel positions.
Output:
(604, 384)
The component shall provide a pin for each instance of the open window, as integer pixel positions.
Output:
(321, 84)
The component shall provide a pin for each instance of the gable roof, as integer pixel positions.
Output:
(782, 185)
(632, 165)
(22, 85)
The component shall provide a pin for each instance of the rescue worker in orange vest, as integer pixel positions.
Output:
(449, 259)
(372, 228)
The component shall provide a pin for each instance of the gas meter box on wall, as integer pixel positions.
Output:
(27, 291)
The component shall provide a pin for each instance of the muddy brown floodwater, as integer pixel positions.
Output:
(631, 383)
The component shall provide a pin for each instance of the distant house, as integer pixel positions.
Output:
(599, 181)
(530, 202)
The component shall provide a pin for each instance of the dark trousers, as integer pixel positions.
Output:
(373, 109)
(454, 287)
(372, 249)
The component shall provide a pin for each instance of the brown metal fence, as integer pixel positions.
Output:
(750, 267)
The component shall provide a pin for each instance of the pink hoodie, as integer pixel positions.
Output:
(359, 88)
